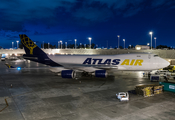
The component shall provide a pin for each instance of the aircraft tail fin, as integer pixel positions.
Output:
(34, 53)
(29, 46)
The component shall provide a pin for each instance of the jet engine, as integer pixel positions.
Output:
(76, 75)
(68, 74)
(101, 73)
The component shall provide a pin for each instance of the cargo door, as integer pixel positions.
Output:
(149, 61)
(156, 61)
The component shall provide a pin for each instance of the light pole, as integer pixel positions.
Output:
(17, 44)
(80, 45)
(96, 45)
(155, 42)
(90, 42)
(12, 44)
(66, 44)
(43, 44)
(61, 43)
(147, 44)
(58, 44)
(48, 45)
(118, 40)
(75, 43)
(85, 46)
(151, 38)
(124, 43)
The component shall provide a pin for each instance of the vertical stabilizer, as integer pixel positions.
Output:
(34, 53)
(29, 46)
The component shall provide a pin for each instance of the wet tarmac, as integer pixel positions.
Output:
(39, 94)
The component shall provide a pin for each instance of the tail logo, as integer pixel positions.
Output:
(9, 66)
(28, 43)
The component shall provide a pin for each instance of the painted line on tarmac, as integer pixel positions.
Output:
(5, 106)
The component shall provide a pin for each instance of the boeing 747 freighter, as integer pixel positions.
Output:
(69, 65)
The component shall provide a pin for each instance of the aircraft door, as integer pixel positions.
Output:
(156, 61)
(149, 61)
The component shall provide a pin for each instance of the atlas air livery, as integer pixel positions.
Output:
(69, 65)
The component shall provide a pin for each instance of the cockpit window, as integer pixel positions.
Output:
(155, 55)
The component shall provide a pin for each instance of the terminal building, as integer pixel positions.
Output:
(142, 47)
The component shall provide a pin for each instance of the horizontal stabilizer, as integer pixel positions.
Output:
(9, 66)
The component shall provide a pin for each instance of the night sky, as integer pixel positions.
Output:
(66, 20)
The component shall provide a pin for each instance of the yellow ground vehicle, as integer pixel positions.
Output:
(172, 69)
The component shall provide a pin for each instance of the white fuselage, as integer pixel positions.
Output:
(139, 62)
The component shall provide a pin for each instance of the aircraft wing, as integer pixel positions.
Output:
(88, 68)
(79, 68)
(25, 68)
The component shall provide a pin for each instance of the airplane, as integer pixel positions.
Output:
(69, 66)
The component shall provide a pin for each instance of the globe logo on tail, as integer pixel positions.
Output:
(28, 43)
(8, 65)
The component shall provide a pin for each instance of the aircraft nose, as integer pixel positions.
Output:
(164, 63)
(168, 63)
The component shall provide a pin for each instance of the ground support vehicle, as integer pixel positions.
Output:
(168, 86)
(123, 96)
(154, 78)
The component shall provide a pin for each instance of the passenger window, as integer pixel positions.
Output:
(155, 55)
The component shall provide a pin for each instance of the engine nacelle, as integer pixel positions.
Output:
(101, 73)
(68, 74)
